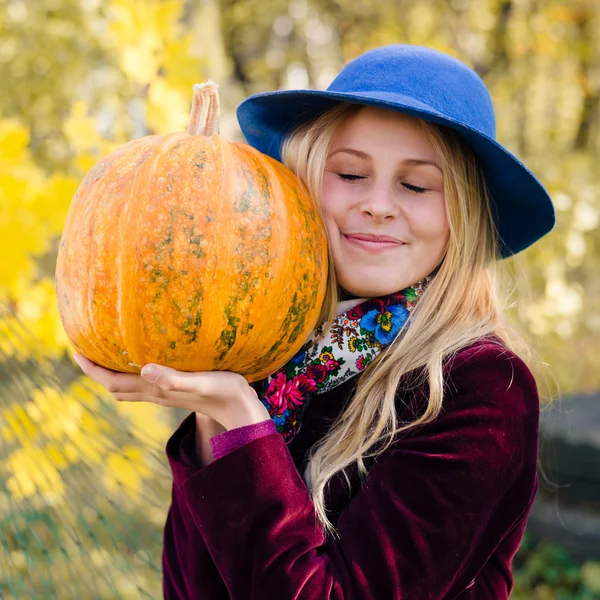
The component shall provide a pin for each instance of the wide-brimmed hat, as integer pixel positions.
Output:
(434, 86)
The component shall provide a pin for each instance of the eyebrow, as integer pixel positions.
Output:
(407, 161)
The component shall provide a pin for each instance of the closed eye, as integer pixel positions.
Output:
(414, 188)
(349, 177)
(408, 186)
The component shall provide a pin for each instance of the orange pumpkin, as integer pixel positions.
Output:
(191, 251)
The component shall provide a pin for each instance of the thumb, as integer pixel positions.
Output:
(152, 372)
(170, 379)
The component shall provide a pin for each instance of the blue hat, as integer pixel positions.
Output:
(431, 85)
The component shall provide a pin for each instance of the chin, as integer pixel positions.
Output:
(365, 289)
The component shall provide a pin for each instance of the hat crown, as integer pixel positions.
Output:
(440, 82)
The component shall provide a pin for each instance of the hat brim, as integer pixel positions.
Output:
(523, 209)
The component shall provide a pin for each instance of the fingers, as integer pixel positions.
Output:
(170, 380)
(173, 400)
(113, 381)
(203, 383)
(212, 390)
(213, 393)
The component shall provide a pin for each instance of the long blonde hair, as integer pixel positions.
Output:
(460, 305)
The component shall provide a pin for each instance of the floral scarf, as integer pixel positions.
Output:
(357, 335)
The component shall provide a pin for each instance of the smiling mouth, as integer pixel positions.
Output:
(373, 242)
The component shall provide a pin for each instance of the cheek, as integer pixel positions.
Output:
(334, 202)
(430, 222)
(330, 195)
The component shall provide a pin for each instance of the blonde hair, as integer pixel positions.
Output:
(460, 305)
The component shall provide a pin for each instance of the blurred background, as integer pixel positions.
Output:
(84, 483)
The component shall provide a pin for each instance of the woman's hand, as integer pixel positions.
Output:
(224, 396)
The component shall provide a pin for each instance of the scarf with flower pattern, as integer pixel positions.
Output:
(357, 335)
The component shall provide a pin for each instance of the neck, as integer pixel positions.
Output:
(344, 295)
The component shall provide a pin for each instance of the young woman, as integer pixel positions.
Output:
(394, 457)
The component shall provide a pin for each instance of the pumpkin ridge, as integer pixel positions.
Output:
(280, 189)
(128, 324)
(102, 352)
(178, 227)
(269, 187)
(246, 257)
(128, 352)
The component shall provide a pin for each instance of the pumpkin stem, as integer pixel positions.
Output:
(204, 118)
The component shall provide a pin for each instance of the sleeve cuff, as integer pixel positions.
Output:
(181, 446)
(226, 442)
(180, 449)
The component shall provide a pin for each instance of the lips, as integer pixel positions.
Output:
(373, 243)
(369, 237)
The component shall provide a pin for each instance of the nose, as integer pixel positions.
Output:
(379, 203)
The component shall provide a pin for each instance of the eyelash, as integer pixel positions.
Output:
(412, 188)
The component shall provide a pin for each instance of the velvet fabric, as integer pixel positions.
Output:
(440, 515)
(226, 442)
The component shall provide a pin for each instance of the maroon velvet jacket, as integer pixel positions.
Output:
(440, 516)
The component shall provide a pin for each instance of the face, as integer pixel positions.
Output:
(383, 203)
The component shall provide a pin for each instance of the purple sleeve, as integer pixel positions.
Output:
(431, 514)
(188, 568)
(226, 442)
(187, 447)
